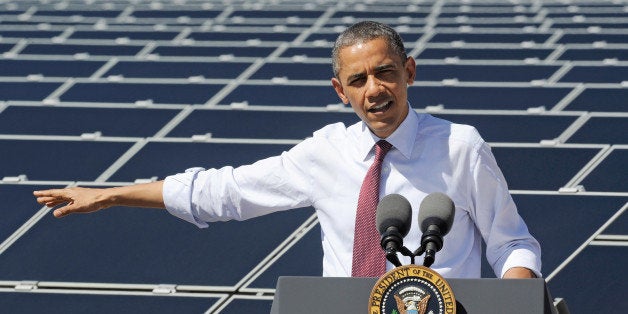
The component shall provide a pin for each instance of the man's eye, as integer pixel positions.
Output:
(356, 82)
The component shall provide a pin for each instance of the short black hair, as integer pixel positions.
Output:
(362, 32)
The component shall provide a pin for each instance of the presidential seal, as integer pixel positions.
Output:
(412, 289)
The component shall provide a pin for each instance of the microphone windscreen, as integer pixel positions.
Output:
(437, 209)
(394, 210)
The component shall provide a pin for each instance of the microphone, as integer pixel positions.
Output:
(436, 215)
(393, 218)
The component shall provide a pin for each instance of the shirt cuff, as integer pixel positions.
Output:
(177, 194)
(523, 258)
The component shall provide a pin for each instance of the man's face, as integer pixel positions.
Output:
(374, 80)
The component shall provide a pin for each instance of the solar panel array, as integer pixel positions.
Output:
(105, 93)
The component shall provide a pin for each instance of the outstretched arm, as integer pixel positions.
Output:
(87, 200)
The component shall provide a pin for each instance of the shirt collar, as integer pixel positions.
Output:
(402, 139)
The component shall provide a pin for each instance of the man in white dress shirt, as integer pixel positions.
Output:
(372, 74)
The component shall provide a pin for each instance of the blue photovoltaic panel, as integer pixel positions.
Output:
(312, 52)
(484, 73)
(58, 160)
(295, 71)
(162, 69)
(177, 157)
(591, 38)
(597, 269)
(165, 249)
(594, 54)
(63, 303)
(48, 68)
(610, 175)
(508, 128)
(506, 98)
(303, 259)
(254, 123)
(28, 34)
(523, 167)
(6, 47)
(214, 51)
(277, 95)
(132, 92)
(596, 74)
(484, 53)
(249, 306)
(559, 236)
(69, 49)
(26, 90)
(84, 13)
(76, 121)
(140, 35)
(19, 206)
(604, 130)
(489, 38)
(240, 36)
(601, 99)
(380, 14)
(195, 14)
(272, 14)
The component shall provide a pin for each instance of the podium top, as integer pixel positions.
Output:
(351, 295)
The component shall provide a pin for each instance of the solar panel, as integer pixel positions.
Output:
(484, 73)
(609, 130)
(600, 99)
(254, 123)
(595, 258)
(609, 174)
(36, 91)
(484, 53)
(590, 54)
(58, 160)
(69, 49)
(163, 69)
(486, 97)
(160, 93)
(187, 155)
(523, 166)
(589, 74)
(514, 128)
(277, 95)
(58, 68)
(132, 122)
(101, 303)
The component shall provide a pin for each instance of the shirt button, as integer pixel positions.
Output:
(385, 169)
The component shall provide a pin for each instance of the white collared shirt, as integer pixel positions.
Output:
(326, 171)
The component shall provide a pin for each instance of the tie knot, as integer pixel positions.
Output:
(381, 148)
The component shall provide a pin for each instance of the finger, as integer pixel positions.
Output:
(52, 192)
(62, 211)
(47, 199)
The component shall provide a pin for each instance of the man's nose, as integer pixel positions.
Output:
(373, 87)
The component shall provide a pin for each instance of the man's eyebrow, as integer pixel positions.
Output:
(384, 67)
(377, 69)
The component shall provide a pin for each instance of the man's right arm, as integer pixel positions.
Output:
(87, 200)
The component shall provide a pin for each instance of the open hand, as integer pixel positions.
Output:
(76, 200)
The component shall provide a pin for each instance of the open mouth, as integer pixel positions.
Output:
(381, 107)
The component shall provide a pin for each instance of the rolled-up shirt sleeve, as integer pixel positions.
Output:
(273, 184)
(508, 241)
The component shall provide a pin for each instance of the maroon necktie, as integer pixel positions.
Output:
(369, 259)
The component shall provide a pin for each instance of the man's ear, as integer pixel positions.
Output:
(411, 70)
(339, 90)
